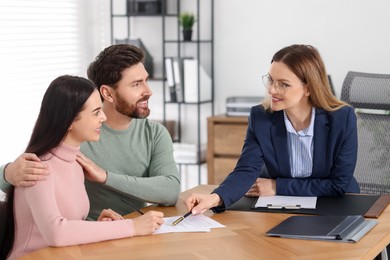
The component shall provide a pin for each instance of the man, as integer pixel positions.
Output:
(133, 160)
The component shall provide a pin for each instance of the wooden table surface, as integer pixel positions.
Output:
(242, 238)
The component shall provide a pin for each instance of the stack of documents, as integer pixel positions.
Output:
(241, 106)
(286, 202)
(188, 153)
(193, 223)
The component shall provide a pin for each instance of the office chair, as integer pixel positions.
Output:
(369, 94)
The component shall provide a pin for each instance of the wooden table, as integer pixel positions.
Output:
(243, 238)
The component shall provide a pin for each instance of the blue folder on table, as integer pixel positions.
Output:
(330, 228)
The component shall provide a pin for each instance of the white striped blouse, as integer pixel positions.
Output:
(300, 147)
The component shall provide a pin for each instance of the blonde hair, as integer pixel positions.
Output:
(306, 63)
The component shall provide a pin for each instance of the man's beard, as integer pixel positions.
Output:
(130, 110)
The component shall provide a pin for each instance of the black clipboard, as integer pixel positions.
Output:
(349, 204)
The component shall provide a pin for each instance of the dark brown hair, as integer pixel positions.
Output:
(111, 62)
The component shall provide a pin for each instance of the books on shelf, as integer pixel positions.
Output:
(182, 80)
(170, 79)
(191, 84)
(188, 153)
(178, 77)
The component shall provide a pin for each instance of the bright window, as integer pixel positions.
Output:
(40, 40)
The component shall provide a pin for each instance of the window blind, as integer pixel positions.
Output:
(39, 40)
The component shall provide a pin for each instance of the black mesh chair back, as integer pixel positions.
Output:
(369, 94)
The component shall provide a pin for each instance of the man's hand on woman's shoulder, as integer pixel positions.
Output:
(25, 171)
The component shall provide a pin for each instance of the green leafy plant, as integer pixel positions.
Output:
(187, 20)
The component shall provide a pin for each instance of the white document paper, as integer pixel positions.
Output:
(287, 202)
(193, 223)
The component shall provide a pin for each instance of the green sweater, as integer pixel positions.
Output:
(140, 166)
(3, 184)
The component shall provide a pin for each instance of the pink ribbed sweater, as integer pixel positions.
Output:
(52, 212)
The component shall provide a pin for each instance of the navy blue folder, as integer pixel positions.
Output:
(330, 228)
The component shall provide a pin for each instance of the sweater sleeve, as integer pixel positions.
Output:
(3, 184)
(57, 230)
(162, 186)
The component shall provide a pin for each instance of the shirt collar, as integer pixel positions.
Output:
(309, 131)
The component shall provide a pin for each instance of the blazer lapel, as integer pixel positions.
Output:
(321, 132)
(279, 139)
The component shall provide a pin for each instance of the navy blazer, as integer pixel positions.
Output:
(265, 154)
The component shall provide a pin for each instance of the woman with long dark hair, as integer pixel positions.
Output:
(53, 212)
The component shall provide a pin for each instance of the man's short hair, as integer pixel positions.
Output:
(109, 64)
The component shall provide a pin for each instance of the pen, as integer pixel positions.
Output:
(131, 206)
(177, 221)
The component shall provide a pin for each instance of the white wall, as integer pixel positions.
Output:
(350, 35)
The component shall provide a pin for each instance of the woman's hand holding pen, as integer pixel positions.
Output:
(148, 223)
(198, 203)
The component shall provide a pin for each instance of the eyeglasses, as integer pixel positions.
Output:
(279, 86)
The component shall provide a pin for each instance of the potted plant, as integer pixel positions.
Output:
(187, 20)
